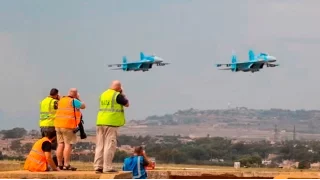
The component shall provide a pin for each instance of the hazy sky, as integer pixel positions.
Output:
(63, 44)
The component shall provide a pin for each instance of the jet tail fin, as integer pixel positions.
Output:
(251, 55)
(234, 57)
(124, 59)
(141, 56)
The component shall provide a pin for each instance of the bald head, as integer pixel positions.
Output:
(116, 85)
(73, 92)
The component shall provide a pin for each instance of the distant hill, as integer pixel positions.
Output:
(241, 117)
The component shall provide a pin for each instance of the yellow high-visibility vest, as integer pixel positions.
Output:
(47, 112)
(110, 112)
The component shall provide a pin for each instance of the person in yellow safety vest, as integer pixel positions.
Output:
(39, 158)
(48, 109)
(110, 117)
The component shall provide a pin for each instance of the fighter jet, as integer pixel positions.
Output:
(144, 64)
(254, 64)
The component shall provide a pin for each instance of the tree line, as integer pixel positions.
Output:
(183, 150)
(210, 150)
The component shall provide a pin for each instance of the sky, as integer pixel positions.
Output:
(65, 44)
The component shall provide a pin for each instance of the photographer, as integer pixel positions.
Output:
(137, 163)
(48, 108)
(68, 117)
(110, 117)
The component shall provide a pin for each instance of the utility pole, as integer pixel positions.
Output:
(294, 143)
(294, 134)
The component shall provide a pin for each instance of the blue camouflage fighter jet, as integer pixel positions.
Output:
(144, 64)
(254, 64)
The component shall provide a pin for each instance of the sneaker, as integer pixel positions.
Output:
(99, 171)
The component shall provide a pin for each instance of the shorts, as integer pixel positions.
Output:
(65, 135)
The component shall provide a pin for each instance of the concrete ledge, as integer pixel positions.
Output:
(298, 175)
(64, 175)
(10, 166)
(218, 174)
(170, 173)
(208, 174)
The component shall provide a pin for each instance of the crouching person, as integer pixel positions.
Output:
(137, 163)
(39, 158)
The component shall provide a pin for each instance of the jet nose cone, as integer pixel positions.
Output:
(156, 58)
(272, 58)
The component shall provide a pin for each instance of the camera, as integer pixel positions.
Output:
(76, 130)
(80, 128)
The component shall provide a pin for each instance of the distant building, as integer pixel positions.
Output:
(266, 162)
(288, 164)
(236, 165)
(216, 160)
(315, 165)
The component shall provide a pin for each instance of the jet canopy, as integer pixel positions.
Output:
(263, 54)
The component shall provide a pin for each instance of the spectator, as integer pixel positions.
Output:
(48, 109)
(137, 163)
(39, 158)
(67, 119)
(110, 117)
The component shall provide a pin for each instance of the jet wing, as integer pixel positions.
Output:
(112, 65)
(157, 63)
(153, 62)
(228, 65)
(116, 69)
(225, 69)
(119, 65)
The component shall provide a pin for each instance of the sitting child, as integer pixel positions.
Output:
(136, 163)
